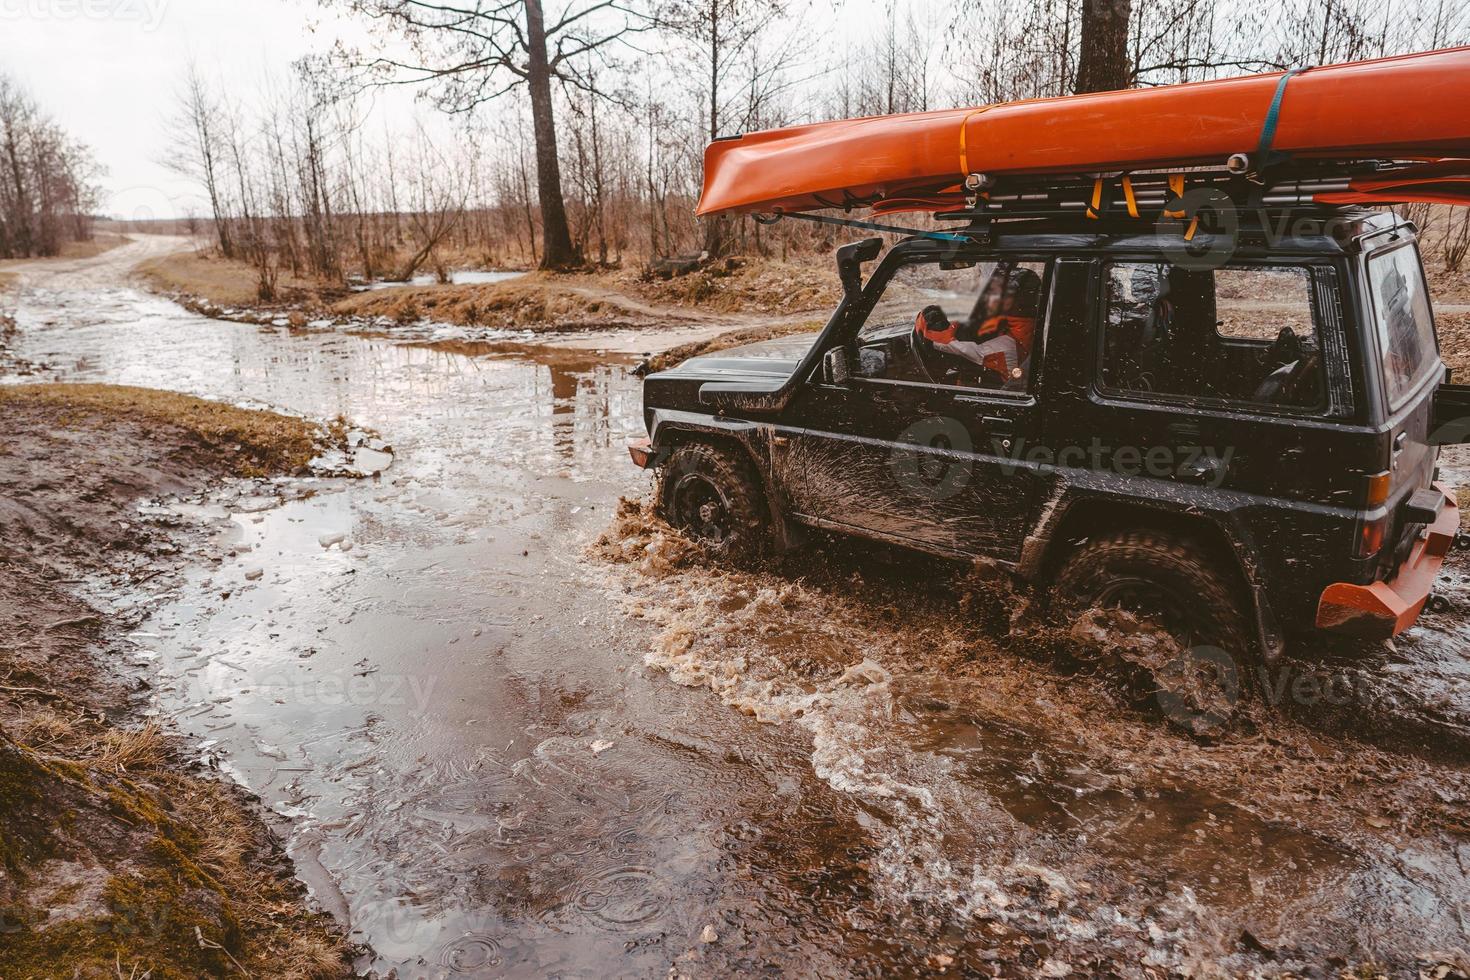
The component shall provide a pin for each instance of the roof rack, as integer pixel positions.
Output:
(1314, 185)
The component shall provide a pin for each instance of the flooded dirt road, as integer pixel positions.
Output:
(495, 752)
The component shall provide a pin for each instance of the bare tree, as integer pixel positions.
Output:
(1103, 64)
(194, 150)
(47, 180)
(473, 52)
(719, 30)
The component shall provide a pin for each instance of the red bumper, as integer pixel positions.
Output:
(1386, 609)
(642, 452)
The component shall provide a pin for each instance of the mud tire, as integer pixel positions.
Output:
(1200, 692)
(713, 495)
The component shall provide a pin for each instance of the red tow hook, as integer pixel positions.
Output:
(642, 452)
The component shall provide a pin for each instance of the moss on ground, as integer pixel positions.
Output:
(260, 442)
(191, 900)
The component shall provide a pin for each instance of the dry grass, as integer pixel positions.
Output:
(224, 282)
(1454, 342)
(195, 894)
(125, 749)
(582, 300)
(258, 442)
(7, 279)
(1449, 287)
(734, 338)
(102, 241)
(532, 301)
(741, 285)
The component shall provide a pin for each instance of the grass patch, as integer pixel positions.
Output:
(193, 898)
(535, 300)
(102, 241)
(7, 279)
(225, 282)
(257, 442)
(734, 338)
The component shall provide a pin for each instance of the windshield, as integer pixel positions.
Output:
(1405, 325)
(973, 326)
(956, 291)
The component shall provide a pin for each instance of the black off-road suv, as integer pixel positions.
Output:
(1237, 439)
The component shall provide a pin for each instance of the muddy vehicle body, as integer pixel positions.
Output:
(1241, 444)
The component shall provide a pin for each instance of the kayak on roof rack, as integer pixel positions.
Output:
(1394, 128)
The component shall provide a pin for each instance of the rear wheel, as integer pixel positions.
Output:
(1171, 586)
(713, 495)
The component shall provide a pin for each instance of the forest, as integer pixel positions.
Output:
(48, 179)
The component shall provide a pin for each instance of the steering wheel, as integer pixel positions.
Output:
(920, 351)
(940, 368)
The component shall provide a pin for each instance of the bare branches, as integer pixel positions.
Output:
(47, 179)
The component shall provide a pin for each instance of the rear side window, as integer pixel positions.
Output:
(1405, 325)
(1245, 334)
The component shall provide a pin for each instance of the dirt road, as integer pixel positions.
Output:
(497, 752)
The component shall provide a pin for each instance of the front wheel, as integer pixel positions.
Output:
(1200, 678)
(714, 496)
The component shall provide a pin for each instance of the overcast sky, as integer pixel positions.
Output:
(107, 71)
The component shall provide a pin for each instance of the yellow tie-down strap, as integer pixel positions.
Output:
(1176, 188)
(965, 141)
(1094, 210)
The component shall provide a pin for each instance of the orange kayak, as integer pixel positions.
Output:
(1410, 107)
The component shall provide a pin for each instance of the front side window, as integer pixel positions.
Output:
(971, 327)
(1245, 334)
(1405, 324)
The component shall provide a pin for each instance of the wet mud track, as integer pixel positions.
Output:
(494, 751)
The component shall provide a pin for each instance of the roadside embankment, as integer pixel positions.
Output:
(734, 290)
(197, 278)
(120, 856)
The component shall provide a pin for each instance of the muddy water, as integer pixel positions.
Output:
(493, 754)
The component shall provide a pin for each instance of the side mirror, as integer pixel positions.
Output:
(850, 259)
(837, 366)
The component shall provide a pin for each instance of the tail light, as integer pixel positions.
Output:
(1371, 535)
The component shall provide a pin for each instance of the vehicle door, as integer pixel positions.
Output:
(924, 442)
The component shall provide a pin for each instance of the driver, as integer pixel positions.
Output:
(1000, 331)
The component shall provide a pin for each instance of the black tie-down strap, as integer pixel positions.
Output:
(821, 219)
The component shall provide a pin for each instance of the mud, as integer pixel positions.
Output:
(517, 727)
(115, 848)
(1017, 780)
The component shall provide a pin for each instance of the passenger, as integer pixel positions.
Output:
(1001, 329)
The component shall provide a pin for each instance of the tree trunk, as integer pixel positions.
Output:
(717, 226)
(556, 239)
(1102, 65)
